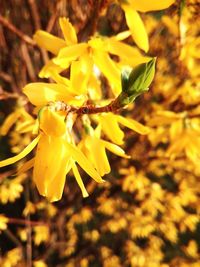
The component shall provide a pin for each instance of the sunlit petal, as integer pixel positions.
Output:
(111, 128)
(52, 123)
(136, 27)
(70, 53)
(144, 6)
(49, 42)
(79, 180)
(78, 156)
(133, 125)
(47, 92)
(9, 121)
(22, 154)
(126, 52)
(115, 149)
(109, 68)
(97, 150)
(68, 31)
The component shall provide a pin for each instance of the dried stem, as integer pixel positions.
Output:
(12, 28)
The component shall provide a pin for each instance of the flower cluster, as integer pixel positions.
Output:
(60, 104)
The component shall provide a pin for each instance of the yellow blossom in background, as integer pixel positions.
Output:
(41, 234)
(3, 222)
(12, 258)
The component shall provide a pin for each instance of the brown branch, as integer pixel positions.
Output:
(28, 62)
(19, 33)
(25, 222)
(113, 106)
(35, 14)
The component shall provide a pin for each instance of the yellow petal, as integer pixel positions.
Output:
(136, 27)
(79, 180)
(52, 123)
(9, 121)
(48, 159)
(78, 156)
(50, 68)
(130, 55)
(55, 187)
(111, 128)
(109, 68)
(47, 92)
(81, 71)
(70, 53)
(26, 166)
(22, 154)
(133, 125)
(98, 155)
(144, 5)
(115, 149)
(68, 31)
(122, 35)
(49, 42)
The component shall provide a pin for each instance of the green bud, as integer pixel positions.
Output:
(136, 81)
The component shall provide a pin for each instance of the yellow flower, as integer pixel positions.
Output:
(134, 21)
(82, 57)
(110, 126)
(95, 150)
(55, 156)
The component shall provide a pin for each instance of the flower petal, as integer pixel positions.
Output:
(22, 154)
(49, 157)
(9, 121)
(49, 42)
(81, 71)
(79, 180)
(110, 69)
(49, 69)
(78, 156)
(68, 31)
(98, 155)
(115, 149)
(111, 128)
(26, 166)
(39, 94)
(56, 185)
(144, 5)
(130, 55)
(133, 125)
(70, 53)
(136, 27)
(52, 123)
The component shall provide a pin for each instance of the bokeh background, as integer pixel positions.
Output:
(147, 212)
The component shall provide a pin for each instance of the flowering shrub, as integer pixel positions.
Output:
(99, 109)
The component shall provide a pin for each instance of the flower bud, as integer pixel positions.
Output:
(136, 81)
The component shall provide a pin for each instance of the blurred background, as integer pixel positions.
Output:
(147, 212)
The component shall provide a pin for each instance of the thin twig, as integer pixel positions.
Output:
(36, 19)
(24, 222)
(113, 106)
(19, 33)
(27, 59)
(6, 77)
(13, 238)
(35, 14)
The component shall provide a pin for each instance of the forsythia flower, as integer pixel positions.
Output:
(134, 21)
(56, 152)
(82, 57)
